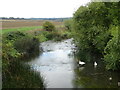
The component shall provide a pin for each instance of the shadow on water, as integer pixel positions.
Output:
(59, 69)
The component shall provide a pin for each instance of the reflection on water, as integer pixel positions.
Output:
(58, 68)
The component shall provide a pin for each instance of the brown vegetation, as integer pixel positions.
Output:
(6, 24)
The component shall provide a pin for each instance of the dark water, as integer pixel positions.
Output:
(57, 65)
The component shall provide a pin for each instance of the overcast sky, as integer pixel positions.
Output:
(40, 8)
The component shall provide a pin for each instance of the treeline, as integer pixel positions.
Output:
(54, 19)
(96, 31)
(18, 18)
(9, 18)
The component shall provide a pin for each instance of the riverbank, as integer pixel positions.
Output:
(18, 48)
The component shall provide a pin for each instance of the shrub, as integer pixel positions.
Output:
(14, 35)
(27, 45)
(48, 26)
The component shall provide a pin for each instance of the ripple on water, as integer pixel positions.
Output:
(55, 64)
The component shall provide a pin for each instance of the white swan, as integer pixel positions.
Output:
(95, 63)
(110, 78)
(81, 63)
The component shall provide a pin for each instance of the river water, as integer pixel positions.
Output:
(58, 67)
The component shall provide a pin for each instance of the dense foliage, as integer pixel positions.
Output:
(96, 32)
(112, 50)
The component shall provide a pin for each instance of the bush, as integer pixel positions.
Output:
(41, 37)
(48, 26)
(14, 35)
(27, 45)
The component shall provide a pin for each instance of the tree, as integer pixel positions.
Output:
(96, 31)
(48, 26)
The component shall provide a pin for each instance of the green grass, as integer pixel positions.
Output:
(21, 29)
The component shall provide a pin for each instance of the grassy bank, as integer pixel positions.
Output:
(19, 75)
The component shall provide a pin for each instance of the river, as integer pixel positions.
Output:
(58, 67)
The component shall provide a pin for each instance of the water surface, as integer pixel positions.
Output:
(59, 69)
(56, 64)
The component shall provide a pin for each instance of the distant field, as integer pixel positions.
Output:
(7, 24)
(25, 25)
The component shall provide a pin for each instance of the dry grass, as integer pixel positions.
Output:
(8, 24)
